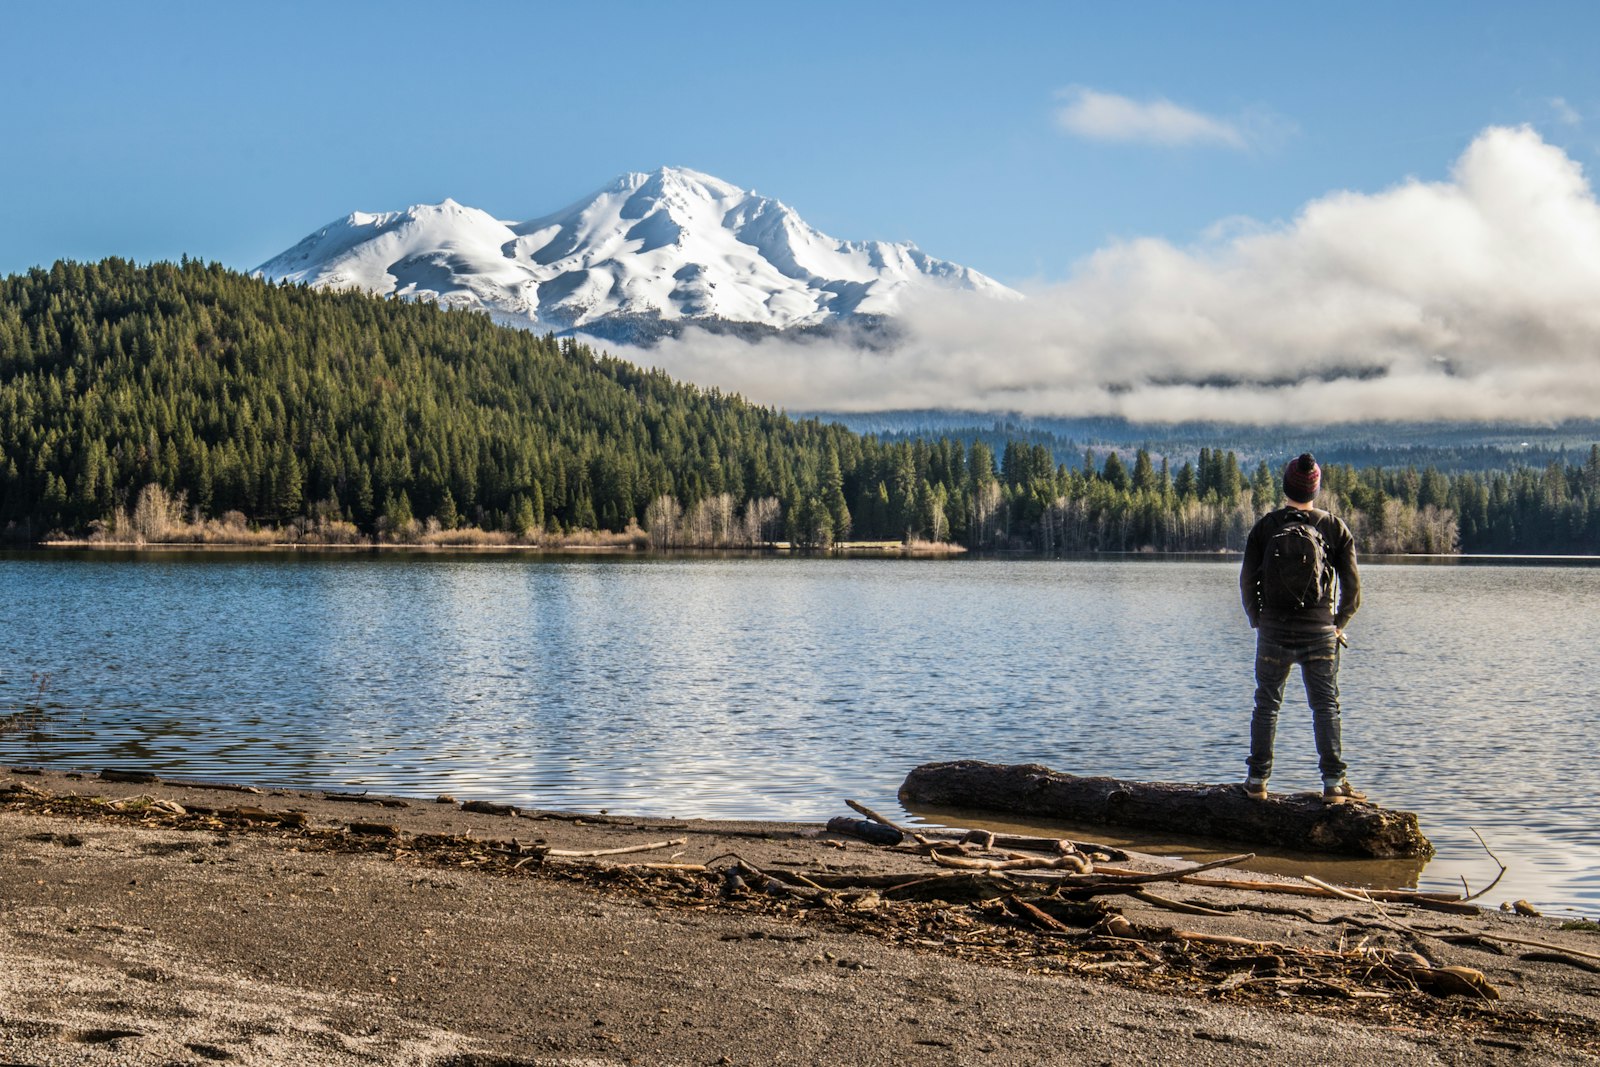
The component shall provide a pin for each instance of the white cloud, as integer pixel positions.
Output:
(1565, 112)
(1108, 117)
(1472, 298)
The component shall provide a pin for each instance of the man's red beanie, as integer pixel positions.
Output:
(1301, 478)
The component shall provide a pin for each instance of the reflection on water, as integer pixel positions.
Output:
(774, 688)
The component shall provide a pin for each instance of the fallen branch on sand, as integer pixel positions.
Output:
(568, 853)
(1429, 901)
(1021, 863)
(1545, 945)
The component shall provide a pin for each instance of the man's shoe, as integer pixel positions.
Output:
(1340, 792)
(1255, 788)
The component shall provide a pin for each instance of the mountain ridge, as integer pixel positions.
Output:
(647, 255)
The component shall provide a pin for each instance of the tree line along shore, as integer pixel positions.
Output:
(189, 403)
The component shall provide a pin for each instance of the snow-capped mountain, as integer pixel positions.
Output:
(647, 254)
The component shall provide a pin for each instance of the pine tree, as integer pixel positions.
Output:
(1144, 473)
(833, 495)
(522, 520)
(1185, 484)
(1115, 474)
(397, 509)
(288, 491)
(1266, 489)
(449, 518)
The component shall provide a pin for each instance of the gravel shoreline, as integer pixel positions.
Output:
(390, 930)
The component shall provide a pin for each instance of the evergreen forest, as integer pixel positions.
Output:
(190, 402)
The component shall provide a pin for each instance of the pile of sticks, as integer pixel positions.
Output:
(984, 889)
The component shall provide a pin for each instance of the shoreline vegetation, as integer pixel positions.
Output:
(154, 921)
(185, 397)
(571, 546)
(158, 523)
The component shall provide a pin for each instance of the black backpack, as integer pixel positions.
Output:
(1294, 570)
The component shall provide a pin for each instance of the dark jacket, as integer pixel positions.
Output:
(1313, 620)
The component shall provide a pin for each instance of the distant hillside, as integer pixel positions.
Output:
(1450, 447)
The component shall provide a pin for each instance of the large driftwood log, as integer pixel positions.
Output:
(1221, 811)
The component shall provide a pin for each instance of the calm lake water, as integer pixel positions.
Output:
(774, 688)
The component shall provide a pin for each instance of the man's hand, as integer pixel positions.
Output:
(1338, 635)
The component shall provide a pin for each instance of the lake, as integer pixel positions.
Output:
(776, 687)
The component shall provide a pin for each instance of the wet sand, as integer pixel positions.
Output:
(389, 930)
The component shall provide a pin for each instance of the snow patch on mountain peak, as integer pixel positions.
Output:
(673, 243)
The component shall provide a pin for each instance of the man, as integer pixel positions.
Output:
(1287, 582)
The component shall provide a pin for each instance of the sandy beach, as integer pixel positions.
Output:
(160, 922)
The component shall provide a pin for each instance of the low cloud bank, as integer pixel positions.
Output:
(1473, 298)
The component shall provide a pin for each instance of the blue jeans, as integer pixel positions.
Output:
(1318, 658)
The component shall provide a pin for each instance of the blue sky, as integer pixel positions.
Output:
(1015, 138)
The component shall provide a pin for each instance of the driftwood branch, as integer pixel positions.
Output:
(1037, 916)
(990, 839)
(875, 817)
(1169, 904)
(1104, 878)
(1022, 863)
(1361, 897)
(568, 853)
(743, 874)
(1491, 885)
(1067, 857)
(960, 887)
(1527, 943)
(1565, 958)
(1430, 901)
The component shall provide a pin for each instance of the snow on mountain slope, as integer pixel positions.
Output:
(673, 246)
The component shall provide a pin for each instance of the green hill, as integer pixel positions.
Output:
(281, 403)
